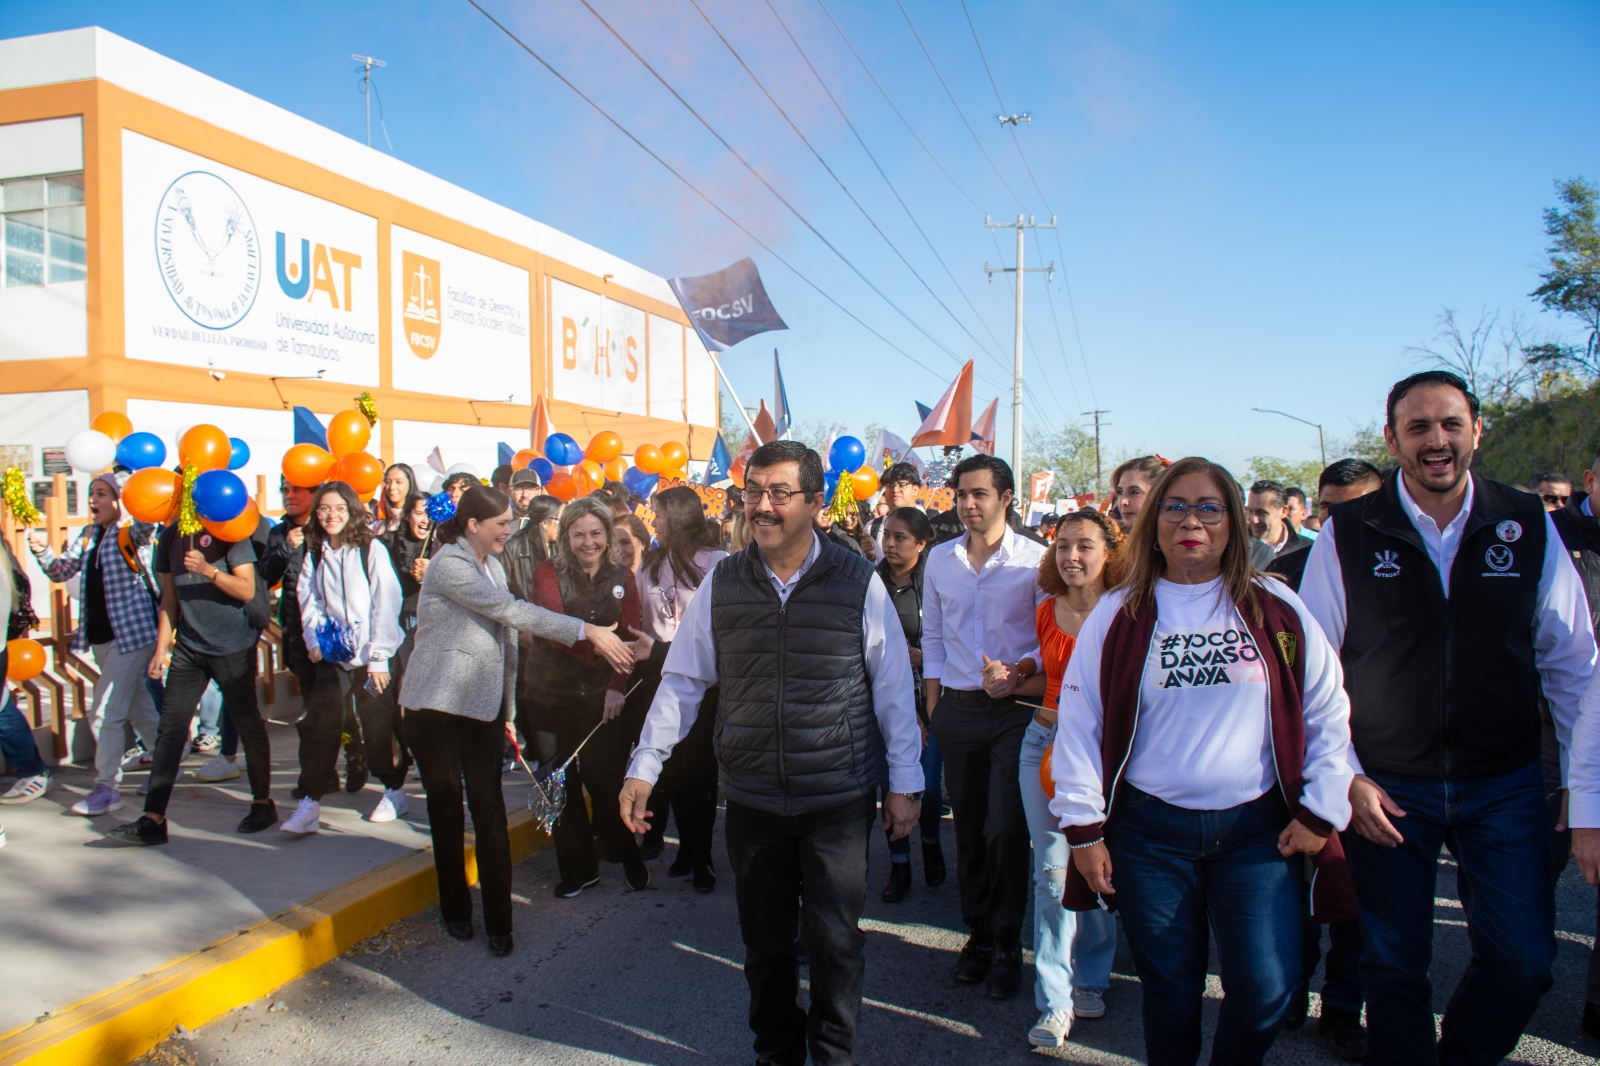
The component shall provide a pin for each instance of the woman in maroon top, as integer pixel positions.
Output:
(570, 691)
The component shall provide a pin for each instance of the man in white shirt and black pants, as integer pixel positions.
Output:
(815, 706)
(978, 598)
(1452, 601)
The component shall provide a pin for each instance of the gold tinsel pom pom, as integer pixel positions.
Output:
(844, 498)
(188, 519)
(368, 408)
(16, 496)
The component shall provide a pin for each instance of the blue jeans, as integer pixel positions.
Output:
(932, 801)
(1071, 949)
(1177, 871)
(1498, 830)
(16, 741)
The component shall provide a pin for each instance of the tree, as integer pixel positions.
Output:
(734, 431)
(1572, 283)
(1286, 472)
(1067, 452)
(1490, 356)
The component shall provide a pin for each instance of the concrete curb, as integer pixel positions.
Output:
(122, 1023)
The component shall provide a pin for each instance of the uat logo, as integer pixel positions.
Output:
(317, 268)
(421, 314)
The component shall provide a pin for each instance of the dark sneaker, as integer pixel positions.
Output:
(899, 882)
(1005, 973)
(682, 864)
(705, 878)
(974, 961)
(355, 770)
(933, 864)
(146, 832)
(637, 873)
(573, 885)
(1342, 1035)
(650, 848)
(261, 816)
(1299, 1005)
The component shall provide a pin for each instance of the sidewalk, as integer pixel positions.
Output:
(80, 915)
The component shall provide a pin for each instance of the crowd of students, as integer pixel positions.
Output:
(1201, 711)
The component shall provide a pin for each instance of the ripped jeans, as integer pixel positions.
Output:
(1071, 949)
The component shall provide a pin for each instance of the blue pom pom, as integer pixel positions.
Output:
(441, 508)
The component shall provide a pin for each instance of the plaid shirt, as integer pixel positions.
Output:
(129, 604)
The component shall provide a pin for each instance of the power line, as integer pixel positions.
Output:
(692, 187)
(762, 179)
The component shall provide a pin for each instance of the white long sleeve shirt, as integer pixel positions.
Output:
(967, 613)
(366, 601)
(1563, 637)
(691, 668)
(1203, 739)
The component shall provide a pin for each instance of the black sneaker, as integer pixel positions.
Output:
(261, 816)
(705, 878)
(1005, 973)
(355, 770)
(650, 849)
(899, 882)
(573, 885)
(974, 960)
(637, 873)
(1299, 1005)
(1341, 1033)
(933, 864)
(146, 832)
(682, 864)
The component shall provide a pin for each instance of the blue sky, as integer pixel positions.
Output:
(1261, 205)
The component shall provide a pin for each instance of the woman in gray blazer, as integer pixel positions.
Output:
(459, 692)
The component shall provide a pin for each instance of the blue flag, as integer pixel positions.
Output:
(780, 402)
(728, 306)
(507, 453)
(308, 429)
(923, 411)
(717, 467)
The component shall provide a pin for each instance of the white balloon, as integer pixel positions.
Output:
(437, 486)
(91, 451)
(463, 468)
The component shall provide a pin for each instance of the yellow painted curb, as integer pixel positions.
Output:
(122, 1023)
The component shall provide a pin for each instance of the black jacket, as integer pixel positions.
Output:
(1580, 535)
(1442, 686)
(279, 562)
(404, 550)
(525, 550)
(795, 730)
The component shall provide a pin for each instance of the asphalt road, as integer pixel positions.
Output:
(621, 977)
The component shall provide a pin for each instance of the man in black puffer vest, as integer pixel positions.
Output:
(816, 699)
(1451, 602)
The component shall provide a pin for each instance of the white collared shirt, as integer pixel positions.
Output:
(1442, 544)
(967, 613)
(691, 668)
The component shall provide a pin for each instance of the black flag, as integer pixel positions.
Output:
(728, 306)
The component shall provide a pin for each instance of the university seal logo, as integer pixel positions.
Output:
(1388, 564)
(1499, 558)
(421, 315)
(207, 250)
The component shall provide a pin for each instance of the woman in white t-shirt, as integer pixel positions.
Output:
(1201, 760)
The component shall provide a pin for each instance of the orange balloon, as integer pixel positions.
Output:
(681, 473)
(1047, 780)
(605, 447)
(521, 460)
(561, 486)
(348, 431)
(362, 471)
(306, 465)
(206, 447)
(647, 457)
(864, 482)
(113, 424)
(615, 468)
(25, 659)
(240, 527)
(674, 455)
(153, 494)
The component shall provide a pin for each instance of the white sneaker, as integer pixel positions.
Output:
(27, 789)
(1051, 1029)
(392, 806)
(220, 768)
(305, 819)
(1088, 1003)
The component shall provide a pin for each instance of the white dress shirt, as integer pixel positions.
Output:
(1563, 633)
(691, 668)
(967, 613)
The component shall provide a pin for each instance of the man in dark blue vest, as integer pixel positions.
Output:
(1451, 602)
(816, 711)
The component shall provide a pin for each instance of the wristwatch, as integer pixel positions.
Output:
(914, 797)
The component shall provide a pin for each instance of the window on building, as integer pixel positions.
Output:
(46, 230)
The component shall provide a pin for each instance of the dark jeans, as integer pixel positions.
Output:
(1341, 975)
(772, 855)
(187, 677)
(932, 800)
(323, 725)
(459, 756)
(599, 769)
(16, 741)
(689, 784)
(1178, 871)
(981, 742)
(1497, 829)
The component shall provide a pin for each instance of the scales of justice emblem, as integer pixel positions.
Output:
(421, 314)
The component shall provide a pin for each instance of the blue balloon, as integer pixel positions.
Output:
(141, 450)
(847, 453)
(638, 482)
(562, 450)
(241, 454)
(544, 468)
(219, 496)
(830, 481)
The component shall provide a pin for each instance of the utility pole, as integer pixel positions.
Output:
(367, 63)
(1016, 365)
(1097, 415)
(1321, 447)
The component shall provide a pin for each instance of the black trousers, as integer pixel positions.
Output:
(981, 741)
(187, 677)
(323, 725)
(599, 770)
(459, 757)
(687, 788)
(773, 856)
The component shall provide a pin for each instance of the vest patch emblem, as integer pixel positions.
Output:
(1286, 646)
(616, 592)
(1499, 558)
(1388, 564)
(1508, 531)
